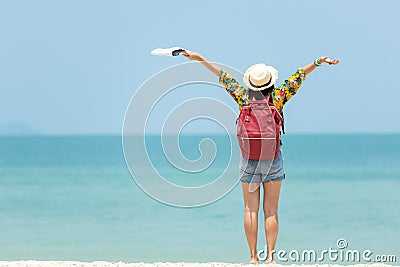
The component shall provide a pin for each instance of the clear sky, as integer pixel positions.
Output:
(71, 66)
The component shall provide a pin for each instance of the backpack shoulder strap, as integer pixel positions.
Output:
(280, 116)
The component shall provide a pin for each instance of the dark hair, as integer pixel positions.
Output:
(260, 95)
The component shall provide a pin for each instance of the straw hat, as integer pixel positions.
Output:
(260, 76)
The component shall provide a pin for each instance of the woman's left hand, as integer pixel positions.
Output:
(328, 60)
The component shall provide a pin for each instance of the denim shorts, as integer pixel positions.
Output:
(257, 171)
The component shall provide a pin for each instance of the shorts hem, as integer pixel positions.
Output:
(280, 178)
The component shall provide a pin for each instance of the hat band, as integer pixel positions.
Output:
(260, 86)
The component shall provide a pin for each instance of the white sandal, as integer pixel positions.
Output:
(169, 52)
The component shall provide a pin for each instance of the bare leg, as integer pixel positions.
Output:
(271, 198)
(251, 204)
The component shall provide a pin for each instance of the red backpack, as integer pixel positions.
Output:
(258, 130)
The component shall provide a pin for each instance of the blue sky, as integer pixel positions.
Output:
(71, 67)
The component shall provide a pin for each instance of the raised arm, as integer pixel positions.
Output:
(238, 92)
(196, 56)
(318, 62)
(291, 85)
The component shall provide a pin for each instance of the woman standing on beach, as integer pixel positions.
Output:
(260, 82)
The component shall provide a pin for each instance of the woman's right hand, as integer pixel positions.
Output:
(192, 55)
(196, 56)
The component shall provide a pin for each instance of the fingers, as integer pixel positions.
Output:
(188, 54)
(332, 61)
(335, 61)
(329, 61)
(185, 54)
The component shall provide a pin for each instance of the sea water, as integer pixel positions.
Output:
(73, 198)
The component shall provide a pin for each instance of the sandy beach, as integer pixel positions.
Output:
(159, 264)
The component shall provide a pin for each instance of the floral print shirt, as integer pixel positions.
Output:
(280, 95)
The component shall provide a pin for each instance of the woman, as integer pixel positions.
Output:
(260, 82)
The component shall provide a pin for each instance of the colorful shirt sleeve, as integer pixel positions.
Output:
(238, 92)
(287, 89)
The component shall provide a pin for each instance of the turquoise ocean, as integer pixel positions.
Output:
(73, 198)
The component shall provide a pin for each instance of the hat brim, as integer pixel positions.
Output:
(274, 78)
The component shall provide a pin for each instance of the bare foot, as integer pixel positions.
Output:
(254, 260)
(270, 261)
